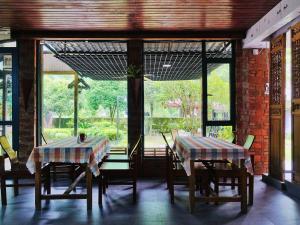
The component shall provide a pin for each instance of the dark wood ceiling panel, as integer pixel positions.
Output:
(132, 15)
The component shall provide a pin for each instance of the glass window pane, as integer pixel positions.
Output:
(218, 49)
(288, 108)
(102, 112)
(218, 92)
(221, 132)
(6, 87)
(58, 107)
(170, 105)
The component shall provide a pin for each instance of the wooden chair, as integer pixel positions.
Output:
(62, 168)
(224, 172)
(176, 175)
(18, 171)
(115, 168)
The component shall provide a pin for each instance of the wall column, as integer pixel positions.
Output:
(27, 101)
(135, 59)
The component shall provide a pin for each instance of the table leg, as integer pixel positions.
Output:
(192, 187)
(244, 198)
(38, 186)
(89, 188)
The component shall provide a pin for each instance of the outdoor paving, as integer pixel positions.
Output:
(271, 207)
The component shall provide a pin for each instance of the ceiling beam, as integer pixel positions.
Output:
(126, 35)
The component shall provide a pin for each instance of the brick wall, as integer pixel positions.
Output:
(252, 74)
(27, 71)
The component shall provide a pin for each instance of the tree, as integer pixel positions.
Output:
(188, 93)
(108, 94)
(58, 98)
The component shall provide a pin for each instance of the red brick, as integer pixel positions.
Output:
(252, 73)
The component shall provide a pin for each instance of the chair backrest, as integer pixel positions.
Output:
(249, 141)
(174, 133)
(165, 139)
(12, 155)
(135, 149)
(230, 139)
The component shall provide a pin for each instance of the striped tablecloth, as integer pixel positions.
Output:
(67, 150)
(208, 148)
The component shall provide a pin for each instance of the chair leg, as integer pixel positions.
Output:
(251, 188)
(134, 188)
(232, 183)
(16, 186)
(54, 171)
(48, 180)
(100, 191)
(73, 175)
(239, 187)
(171, 186)
(167, 168)
(3, 191)
(104, 184)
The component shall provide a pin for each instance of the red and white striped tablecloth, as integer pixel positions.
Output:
(208, 148)
(67, 150)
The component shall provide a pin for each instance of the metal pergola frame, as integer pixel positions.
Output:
(107, 60)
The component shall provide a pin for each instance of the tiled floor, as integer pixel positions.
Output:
(153, 207)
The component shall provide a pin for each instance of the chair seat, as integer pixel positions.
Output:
(115, 166)
(20, 166)
(118, 156)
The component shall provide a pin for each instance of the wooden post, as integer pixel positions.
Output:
(192, 187)
(135, 94)
(37, 185)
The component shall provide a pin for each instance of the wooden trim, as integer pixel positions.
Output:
(277, 107)
(295, 35)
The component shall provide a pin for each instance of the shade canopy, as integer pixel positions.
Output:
(163, 60)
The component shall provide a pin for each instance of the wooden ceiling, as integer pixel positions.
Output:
(133, 15)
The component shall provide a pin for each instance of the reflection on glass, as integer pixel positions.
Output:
(288, 104)
(218, 92)
(6, 87)
(58, 107)
(170, 105)
(103, 110)
(218, 49)
(221, 132)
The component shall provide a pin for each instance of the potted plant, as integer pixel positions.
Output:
(134, 71)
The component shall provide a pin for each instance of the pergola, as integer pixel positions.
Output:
(163, 60)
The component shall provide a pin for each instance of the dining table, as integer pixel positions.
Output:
(88, 153)
(191, 149)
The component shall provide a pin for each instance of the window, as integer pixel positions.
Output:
(84, 90)
(218, 91)
(187, 86)
(9, 95)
